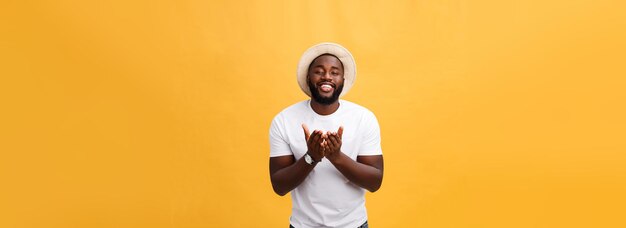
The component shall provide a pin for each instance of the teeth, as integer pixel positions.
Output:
(326, 86)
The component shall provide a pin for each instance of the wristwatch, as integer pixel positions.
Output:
(309, 160)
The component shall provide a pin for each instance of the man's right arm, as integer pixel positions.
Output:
(286, 173)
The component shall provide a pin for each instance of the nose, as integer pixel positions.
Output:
(327, 75)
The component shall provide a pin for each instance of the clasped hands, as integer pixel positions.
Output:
(322, 144)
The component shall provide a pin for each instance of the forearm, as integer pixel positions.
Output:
(363, 175)
(288, 178)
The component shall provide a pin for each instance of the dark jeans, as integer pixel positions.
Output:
(361, 226)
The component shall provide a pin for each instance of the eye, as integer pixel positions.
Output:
(334, 73)
(318, 72)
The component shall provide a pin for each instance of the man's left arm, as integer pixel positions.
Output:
(366, 171)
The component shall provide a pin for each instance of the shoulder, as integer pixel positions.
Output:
(296, 109)
(356, 109)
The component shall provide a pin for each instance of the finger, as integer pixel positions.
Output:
(306, 132)
(319, 137)
(312, 136)
(321, 144)
(316, 137)
(311, 141)
(329, 142)
(340, 131)
(338, 141)
(334, 141)
(313, 144)
(328, 150)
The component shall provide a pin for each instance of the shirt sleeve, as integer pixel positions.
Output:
(279, 145)
(371, 136)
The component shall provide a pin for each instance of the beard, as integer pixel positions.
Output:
(324, 100)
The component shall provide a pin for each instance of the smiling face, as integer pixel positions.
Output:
(325, 79)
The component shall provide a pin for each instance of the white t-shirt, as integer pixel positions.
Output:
(326, 198)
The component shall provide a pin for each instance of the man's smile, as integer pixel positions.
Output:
(326, 87)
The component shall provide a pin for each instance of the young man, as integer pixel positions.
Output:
(326, 151)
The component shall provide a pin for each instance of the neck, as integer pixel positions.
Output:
(324, 109)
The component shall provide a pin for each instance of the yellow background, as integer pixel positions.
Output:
(156, 113)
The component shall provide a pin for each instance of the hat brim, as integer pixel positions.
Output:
(349, 66)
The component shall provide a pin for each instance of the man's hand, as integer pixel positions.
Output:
(332, 145)
(314, 143)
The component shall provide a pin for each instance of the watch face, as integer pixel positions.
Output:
(308, 159)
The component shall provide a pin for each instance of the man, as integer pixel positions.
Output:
(326, 151)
